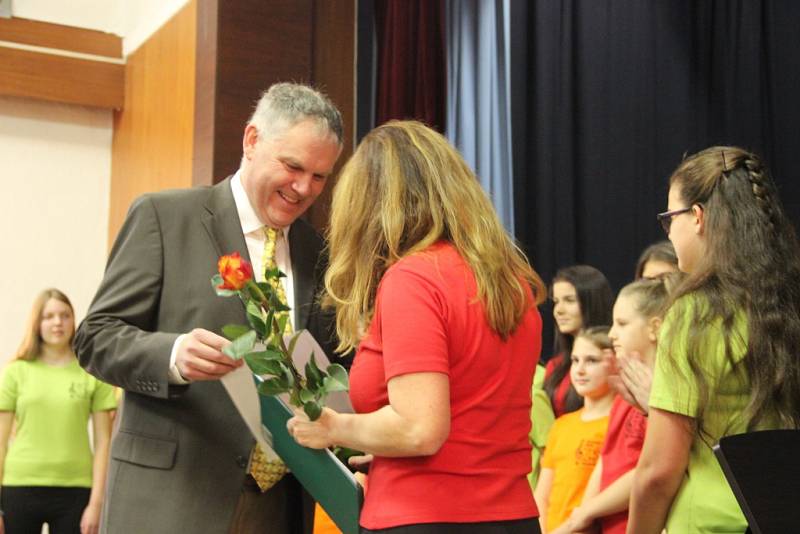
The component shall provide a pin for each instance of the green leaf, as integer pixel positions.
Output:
(314, 377)
(337, 379)
(261, 366)
(293, 342)
(217, 281)
(282, 323)
(268, 354)
(276, 304)
(273, 386)
(306, 396)
(255, 316)
(232, 331)
(273, 273)
(287, 373)
(241, 345)
(313, 409)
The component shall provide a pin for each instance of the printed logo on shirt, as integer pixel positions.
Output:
(635, 428)
(588, 452)
(78, 390)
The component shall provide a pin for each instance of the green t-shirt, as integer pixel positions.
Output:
(542, 418)
(51, 406)
(705, 502)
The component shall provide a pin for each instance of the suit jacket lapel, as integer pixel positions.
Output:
(221, 221)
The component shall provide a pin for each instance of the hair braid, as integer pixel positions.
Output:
(762, 190)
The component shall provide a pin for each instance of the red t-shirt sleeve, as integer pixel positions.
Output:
(413, 323)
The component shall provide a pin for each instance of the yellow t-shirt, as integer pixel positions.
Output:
(542, 419)
(52, 407)
(704, 502)
(572, 451)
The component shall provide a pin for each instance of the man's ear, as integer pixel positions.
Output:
(249, 141)
(653, 326)
(699, 219)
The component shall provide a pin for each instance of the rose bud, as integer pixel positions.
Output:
(235, 271)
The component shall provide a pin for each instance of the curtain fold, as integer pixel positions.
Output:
(620, 90)
(410, 61)
(479, 96)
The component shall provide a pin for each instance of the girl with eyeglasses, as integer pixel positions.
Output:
(727, 359)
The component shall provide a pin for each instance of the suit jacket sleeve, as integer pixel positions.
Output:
(117, 341)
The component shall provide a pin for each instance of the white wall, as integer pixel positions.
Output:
(55, 172)
(55, 169)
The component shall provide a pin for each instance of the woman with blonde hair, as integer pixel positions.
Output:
(727, 359)
(441, 306)
(48, 472)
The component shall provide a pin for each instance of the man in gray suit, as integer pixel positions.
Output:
(179, 460)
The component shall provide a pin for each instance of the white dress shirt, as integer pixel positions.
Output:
(254, 238)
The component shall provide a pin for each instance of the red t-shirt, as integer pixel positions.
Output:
(428, 319)
(560, 393)
(621, 450)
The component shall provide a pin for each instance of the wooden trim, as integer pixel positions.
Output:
(205, 92)
(61, 79)
(45, 34)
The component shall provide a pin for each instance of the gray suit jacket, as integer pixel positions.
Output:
(179, 457)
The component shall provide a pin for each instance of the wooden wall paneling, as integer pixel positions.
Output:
(60, 79)
(334, 68)
(259, 42)
(205, 92)
(153, 138)
(45, 34)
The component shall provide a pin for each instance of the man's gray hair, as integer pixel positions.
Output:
(285, 104)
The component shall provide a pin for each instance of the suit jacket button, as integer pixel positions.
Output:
(241, 461)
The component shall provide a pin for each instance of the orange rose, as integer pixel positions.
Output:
(235, 271)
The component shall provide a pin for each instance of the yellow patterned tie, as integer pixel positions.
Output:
(266, 472)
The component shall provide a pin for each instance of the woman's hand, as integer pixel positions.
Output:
(361, 463)
(313, 434)
(630, 378)
(638, 379)
(90, 520)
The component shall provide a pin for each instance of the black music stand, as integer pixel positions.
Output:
(763, 470)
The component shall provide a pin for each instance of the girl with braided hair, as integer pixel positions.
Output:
(727, 358)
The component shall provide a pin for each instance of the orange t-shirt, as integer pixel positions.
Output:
(572, 450)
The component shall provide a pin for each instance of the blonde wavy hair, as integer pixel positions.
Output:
(404, 189)
(31, 346)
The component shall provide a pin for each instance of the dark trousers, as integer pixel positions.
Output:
(518, 526)
(283, 509)
(27, 508)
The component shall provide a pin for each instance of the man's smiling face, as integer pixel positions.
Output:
(283, 174)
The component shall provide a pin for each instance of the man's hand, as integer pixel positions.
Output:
(200, 356)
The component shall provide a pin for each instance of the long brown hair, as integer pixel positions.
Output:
(31, 346)
(751, 265)
(404, 189)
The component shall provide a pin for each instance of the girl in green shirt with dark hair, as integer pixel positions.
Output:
(49, 474)
(727, 358)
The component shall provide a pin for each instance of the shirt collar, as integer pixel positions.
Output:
(248, 219)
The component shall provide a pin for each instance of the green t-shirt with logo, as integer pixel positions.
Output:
(704, 502)
(51, 406)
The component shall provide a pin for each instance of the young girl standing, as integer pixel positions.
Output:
(49, 473)
(638, 312)
(727, 356)
(582, 298)
(576, 438)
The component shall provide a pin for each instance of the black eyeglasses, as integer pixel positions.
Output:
(666, 218)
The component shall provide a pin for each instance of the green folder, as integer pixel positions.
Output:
(327, 479)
